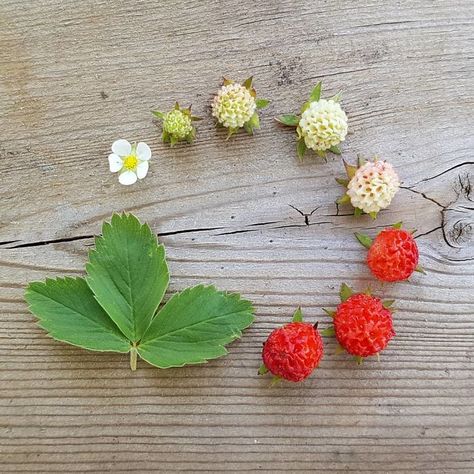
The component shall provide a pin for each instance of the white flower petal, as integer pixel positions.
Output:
(142, 169)
(127, 178)
(143, 151)
(115, 163)
(121, 147)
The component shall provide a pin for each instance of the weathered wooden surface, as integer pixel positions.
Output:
(75, 76)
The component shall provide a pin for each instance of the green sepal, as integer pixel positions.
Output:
(361, 161)
(261, 103)
(337, 97)
(328, 332)
(173, 140)
(373, 215)
(226, 81)
(191, 136)
(194, 118)
(345, 199)
(387, 304)
(335, 149)
(342, 181)
(301, 148)
(158, 114)
(254, 121)
(165, 137)
(359, 359)
(365, 240)
(397, 225)
(290, 120)
(316, 92)
(275, 380)
(330, 312)
(231, 131)
(358, 212)
(305, 106)
(298, 315)
(345, 292)
(248, 128)
(420, 269)
(350, 169)
(248, 83)
(321, 153)
(339, 349)
(262, 370)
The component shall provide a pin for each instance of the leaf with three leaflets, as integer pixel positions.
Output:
(115, 307)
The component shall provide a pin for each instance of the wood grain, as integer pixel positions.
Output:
(75, 76)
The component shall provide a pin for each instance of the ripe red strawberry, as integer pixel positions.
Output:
(393, 254)
(292, 351)
(362, 323)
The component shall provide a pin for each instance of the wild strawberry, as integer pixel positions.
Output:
(236, 106)
(393, 254)
(178, 125)
(371, 186)
(322, 125)
(362, 323)
(292, 351)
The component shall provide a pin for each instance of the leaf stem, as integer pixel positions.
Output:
(133, 357)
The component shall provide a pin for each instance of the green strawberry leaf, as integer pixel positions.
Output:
(345, 292)
(365, 240)
(298, 316)
(261, 103)
(114, 307)
(358, 212)
(288, 119)
(316, 92)
(67, 310)
(193, 327)
(128, 274)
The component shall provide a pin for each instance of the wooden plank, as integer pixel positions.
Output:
(75, 76)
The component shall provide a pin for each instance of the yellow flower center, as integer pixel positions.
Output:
(130, 162)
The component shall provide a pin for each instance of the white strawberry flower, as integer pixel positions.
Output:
(130, 160)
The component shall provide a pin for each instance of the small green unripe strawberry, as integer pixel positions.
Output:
(177, 125)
